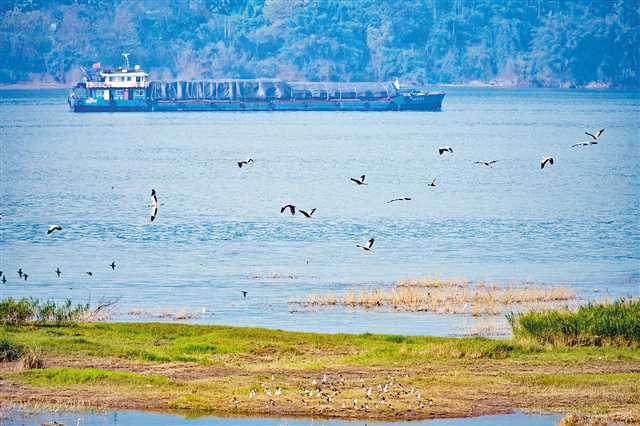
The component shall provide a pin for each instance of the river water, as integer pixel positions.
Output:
(219, 229)
(140, 418)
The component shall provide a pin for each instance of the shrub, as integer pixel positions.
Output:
(594, 324)
(32, 359)
(9, 351)
(18, 312)
(15, 312)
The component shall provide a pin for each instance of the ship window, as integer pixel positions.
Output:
(138, 79)
(110, 78)
(128, 78)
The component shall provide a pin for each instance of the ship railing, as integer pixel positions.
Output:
(109, 85)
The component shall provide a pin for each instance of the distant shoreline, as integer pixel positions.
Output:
(34, 86)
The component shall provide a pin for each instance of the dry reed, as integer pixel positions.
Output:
(450, 296)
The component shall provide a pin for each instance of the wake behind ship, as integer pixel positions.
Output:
(125, 89)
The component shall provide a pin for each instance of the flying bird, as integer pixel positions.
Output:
(595, 137)
(444, 149)
(487, 163)
(0, 273)
(245, 162)
(90, 273)
(359, 181)
(307, 214)
(244, 294)
(433, 183)
(546, 160)
(20, 272)
(25, 276)
(584, 144)
(53, 228)
(4, 279)
(399, 199)
(368, 246)
(113, 265)
(58, 271)
(154, 205)
(291, 207)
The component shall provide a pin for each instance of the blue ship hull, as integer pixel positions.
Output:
(429, 102)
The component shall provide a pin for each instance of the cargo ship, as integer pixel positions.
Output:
(129, 89)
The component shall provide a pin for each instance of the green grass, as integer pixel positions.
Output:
(20, 312)
(603, 324)
(77, 376)
(458, 373)
(162, 342)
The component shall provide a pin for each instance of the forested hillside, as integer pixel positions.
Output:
(566, 43)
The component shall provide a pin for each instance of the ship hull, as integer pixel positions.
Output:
(430, 102)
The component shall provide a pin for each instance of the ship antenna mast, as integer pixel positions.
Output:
(126, 60)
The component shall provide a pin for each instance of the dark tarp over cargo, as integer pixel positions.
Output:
(317, 90)
(228, 89)
(266, 89)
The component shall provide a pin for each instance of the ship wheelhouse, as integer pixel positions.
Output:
(122, 88)
(119, 85)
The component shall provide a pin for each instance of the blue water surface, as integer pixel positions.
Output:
(220, 231)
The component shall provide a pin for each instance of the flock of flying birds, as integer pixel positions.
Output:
(442, 150)
(368, 246)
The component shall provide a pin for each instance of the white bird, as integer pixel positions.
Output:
(595, 137)
(486, 163)
(546, 160)
(368, 246)
(359, 181)
(399, 199)
(291, 207)
(53, 228)
(154, 205)
(444, 149)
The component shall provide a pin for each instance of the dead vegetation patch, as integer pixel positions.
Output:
(453, 296)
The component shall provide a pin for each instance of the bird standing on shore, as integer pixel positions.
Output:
(154, 205)
(53, 228)
(444, 149)
(368, 246)
(58, 271)
(359, 181)
(545, 161)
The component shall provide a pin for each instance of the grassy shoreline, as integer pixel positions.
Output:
(213, 369)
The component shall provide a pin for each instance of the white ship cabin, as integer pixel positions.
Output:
(122, 78)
